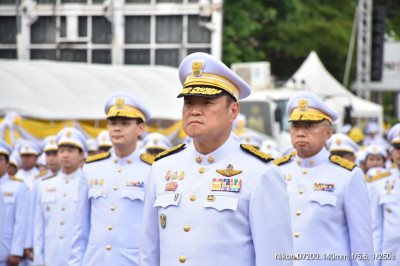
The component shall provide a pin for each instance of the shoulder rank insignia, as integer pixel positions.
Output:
(342, 162)
(168, 152)
(282, 160)
(229, 171)
(255, 152)
(368, 179)
(50, 176)
(16, 179)
(41, 174)
(379, 175)
(147, 158)
(97, 157)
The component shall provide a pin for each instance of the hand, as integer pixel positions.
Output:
(28, 253)
(13, 260)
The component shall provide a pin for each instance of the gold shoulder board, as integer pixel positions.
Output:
(50, 176)
(41, 174)
(380, 176)
(168, 152)
(255, 152)
(16, 179)
(282, 160)
(97, 157)
(342, 162)
(367, 179)
(147, 158)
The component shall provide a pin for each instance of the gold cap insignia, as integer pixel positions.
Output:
(68, 134)
(103, 138)
(374, 149)
(52, 141)
(338, 141)
(119, 102)
(155, 141)
(398, 133)
(303, 104)
(26, 147)
(197, 66)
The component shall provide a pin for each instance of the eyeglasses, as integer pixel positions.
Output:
(307, 127)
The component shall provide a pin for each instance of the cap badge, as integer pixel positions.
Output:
(26, 147)
(52, 141)
(103, 138)
(338, 141)
(303, 104)
(68, 134)
(398, 132)
(155, 141)
(197, 66)
(229, 171)
(119, 102)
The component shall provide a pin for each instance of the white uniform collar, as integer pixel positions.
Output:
(72, 175)
(214, 156)
(131, 158)
(315, 160)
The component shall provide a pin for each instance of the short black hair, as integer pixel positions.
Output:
(71, 146)
(6, 157)
(137, 119)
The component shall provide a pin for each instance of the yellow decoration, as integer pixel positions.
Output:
(201, 90)
(97, 157)
(197, 66)
(259, 154)
(119, 102)
(310, 114)
(302, 104)
(342, 162)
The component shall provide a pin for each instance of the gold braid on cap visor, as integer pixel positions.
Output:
(311, 114)
(212, 80)
(5, 153)
(125, 111)
(70, 143)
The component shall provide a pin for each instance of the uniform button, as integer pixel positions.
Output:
(304, 171)
(108, 247)
(210, 159)
(63, 209)
(110, 227)
(202, 170)
(61, 237)
(62, 223)
(296, 234)
(298, 162)
(312, 162)
(182, 259)
(186, 228)
(301, 191)
(66, 181)
(119, 170)
(112, 208)
(115, 160)
(115, 188)
(298, 213)
(129, 160)
(199, 159)
(65, 195)
(193, 197)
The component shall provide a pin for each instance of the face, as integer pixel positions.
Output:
(396, 156)
(208, 118)
(308, 138)
(124, 131)
(374, 161)
(70, 158)
(28, 161)
(52, 162)
(12, 170)
(3, 165)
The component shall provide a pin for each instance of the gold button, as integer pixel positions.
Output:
(119, 170)
(202, 170)
(298, 162)
(210, 198)
(312, 162)
(210, 159)
(66, 181)
(298, 213)
(304, 171)
(301, 191)
(182, 259)
(115, 187)
(288, 178)
(115, 160)
(199, 159)
(65, 195)
(112, 208)
(72, 177)
(110, 227)
(61, 237)
(186, 228)
(63, 209)
(388, 210)
(62, 223)
(129, 160)
(193, 197)
(108, 247)
(296, 234)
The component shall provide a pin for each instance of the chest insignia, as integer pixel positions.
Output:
(174, 175)
(134, 184)
(8, 193)
(51, 189)
(163, 220)
(389, 186)
(324, 187)
(167, 175)
(171, 186)
(229, 171)
(226, 184)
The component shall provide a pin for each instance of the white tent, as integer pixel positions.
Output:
(312, 75)
(51, 90)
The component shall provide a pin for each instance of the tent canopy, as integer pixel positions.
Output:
(51, 90)
(313, 76)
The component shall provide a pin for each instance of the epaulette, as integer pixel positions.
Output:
(367, 179)
(16, 179)
(50, 176)
(42, 174)
(282, 160)
(342, 162)
(97, 157)
(168, 152)
(380, 176)
(255, 152)
(147, 158)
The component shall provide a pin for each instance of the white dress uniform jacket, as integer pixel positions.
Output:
(330, 209)
(189, 218)
(110, 209)
(385, 207)
(57, 200)
(16, 199)
(2, 214)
